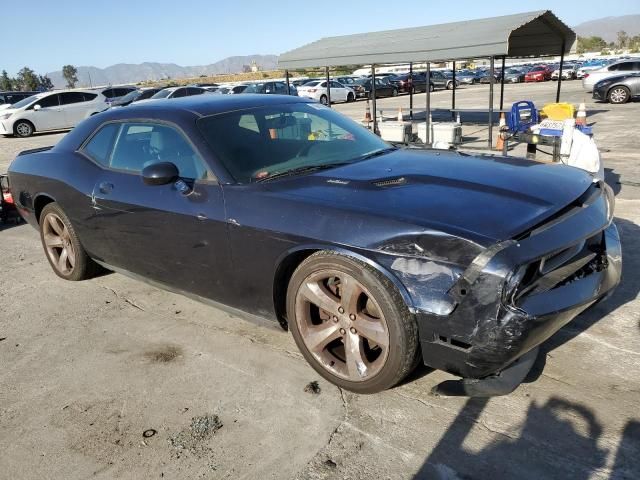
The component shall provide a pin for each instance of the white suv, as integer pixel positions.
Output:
(615, 69)
(50, 111)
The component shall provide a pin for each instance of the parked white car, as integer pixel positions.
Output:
(569, 72)
(50, 111)
(582, 71)
(618, 68)
(177, 92)
(317, 90)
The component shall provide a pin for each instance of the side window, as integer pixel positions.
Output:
(67, 98)
(121, 92)
(195, 91)
(50, 101)
(614, 68)
(89, 96)
(336, 85)
(626, 66)
(99, 147)
(180, 92)
(142, 144)
(109, 93)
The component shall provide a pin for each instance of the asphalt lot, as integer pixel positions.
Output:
(88, 367)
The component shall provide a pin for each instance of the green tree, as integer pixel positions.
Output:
(623, 39)
(45, 82)
(6, 83)
(70, 74)
(27, 79)
(590, 44)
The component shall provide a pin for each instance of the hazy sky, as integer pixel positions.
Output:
(48, 34)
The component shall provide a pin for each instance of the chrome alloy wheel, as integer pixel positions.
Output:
(58, 244)
(342, 325)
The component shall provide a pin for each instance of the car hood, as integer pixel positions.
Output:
(483, 199)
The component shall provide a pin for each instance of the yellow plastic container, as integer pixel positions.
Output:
(558, 111)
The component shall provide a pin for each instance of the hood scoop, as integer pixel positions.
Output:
(391, 182)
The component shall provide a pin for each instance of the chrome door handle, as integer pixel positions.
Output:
(105, 187)
(201, 216)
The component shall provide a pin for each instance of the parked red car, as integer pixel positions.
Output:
(540, 73)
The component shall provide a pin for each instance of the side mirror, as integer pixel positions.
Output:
(159, 173)
(37, 107)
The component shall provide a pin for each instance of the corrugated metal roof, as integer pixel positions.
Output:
(521, 35)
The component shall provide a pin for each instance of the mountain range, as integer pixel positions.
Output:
(123, 73)
(608, 27)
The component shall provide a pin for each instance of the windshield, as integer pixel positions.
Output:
(163, 93)
(261, 142)
(25, 101)
(131, 96)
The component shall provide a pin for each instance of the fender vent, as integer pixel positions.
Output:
(391, 182)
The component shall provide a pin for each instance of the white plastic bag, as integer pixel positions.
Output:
(584, 154)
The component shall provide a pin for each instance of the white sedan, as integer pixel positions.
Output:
(317, 90)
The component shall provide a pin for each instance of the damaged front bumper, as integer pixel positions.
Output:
(516, 295)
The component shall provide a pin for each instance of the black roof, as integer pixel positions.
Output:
(205, 104)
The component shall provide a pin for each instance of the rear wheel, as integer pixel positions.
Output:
(23, 128)
(323, 100)
(351, 97)
(431, 87)
(350, 323)
(394, 92)
(619, 95)
(64, 251)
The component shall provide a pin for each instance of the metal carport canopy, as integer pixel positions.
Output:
(528, 34)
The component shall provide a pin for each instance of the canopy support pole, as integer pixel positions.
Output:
(286, 76)
(492, 77)
(411, 90)
(372, 93)
(560, 73)
(326, 71)
(453, 90)
(502, 86)
(428, 112)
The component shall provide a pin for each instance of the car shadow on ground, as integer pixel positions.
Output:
(557, 439)
(626, 292)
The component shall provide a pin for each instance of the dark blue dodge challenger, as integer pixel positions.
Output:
(375, 258)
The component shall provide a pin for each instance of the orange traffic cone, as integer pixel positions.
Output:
(502, 127)
(367, 113)
(581, 116)
(400, 116)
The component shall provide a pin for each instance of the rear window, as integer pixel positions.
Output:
(99, 147)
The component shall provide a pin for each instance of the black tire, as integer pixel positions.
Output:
(23, 128)
(83, 266)
(323, 100)
(431, 87)
(351, 97)
(401, 325)
(619, 94)
(449, 85)
(394, 92)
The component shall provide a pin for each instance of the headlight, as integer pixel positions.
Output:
(5, 116)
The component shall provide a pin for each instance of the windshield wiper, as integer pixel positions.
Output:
(302, 170)
(375, 153)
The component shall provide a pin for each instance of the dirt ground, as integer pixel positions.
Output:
(112, 378)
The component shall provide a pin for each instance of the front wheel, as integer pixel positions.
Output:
(323, 100)
(350, 323)
(351, 97)
(431, 87)
(64, 251)
(619, 95)
(394, 92)
(23, 128)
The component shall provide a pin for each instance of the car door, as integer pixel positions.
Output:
(338, 92)
(174, 234)
(74, 107)
(49, 116)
